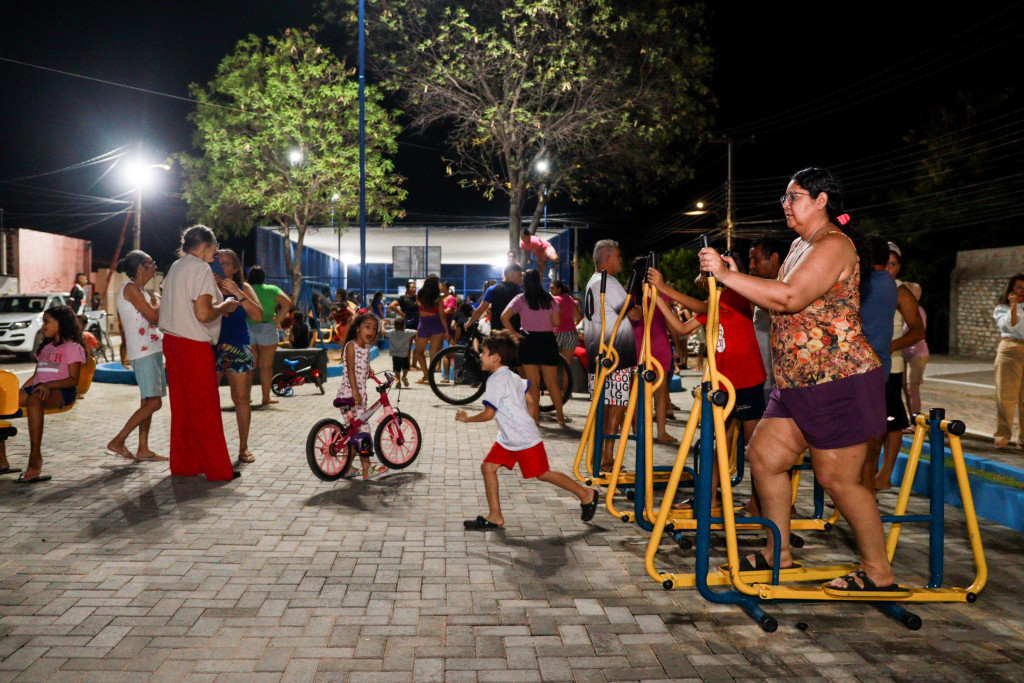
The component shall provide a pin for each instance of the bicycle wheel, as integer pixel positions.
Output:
(327, 450)
(466, 377)
(105, 351)
(397, 441)
(280, 386)
(564, 381)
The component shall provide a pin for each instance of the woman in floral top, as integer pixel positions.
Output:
(829, 392)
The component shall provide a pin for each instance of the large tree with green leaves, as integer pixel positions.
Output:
(277, 131)
(606, 94)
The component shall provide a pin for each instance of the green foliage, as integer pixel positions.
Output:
(610, 93)
(268, 99)
(680, 267)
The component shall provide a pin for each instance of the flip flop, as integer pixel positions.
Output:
(670, 440)
(480, 524)
(35, 480)
(868, 590)
(247, 457)
(152, 457)
(588, 510)
(10, 470)
(761, 563)
(111, 451)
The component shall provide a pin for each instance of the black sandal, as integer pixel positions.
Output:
(852, 587)
(480, 524)
(588, 510)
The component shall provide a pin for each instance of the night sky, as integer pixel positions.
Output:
(814, 86)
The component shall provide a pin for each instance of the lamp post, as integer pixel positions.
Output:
(140, 177)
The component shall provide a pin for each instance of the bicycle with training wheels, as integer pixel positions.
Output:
(284, 383)
(457, 376)
(333, 444)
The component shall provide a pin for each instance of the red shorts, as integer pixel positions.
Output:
(533, 461)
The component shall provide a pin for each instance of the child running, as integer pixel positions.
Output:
(53, 385)
(518, 438)
(355, 370)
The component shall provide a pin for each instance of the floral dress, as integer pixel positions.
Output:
(362, 371)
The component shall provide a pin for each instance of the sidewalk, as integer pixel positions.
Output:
(117, 567)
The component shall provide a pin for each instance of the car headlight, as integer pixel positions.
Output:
(20, 325)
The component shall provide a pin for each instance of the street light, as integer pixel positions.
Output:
(295, 157)
(139, 175)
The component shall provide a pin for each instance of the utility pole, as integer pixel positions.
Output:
(729, 223)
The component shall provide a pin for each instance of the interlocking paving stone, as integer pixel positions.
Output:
(282, 577)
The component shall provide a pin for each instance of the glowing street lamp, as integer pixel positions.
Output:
(140, 176)
(295, 157)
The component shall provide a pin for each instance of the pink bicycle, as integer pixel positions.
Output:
(332, 445)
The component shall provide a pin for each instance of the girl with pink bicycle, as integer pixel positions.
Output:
(332, 445)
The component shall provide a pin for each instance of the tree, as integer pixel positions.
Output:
(956, 192)
(546, 97)
(278, 131)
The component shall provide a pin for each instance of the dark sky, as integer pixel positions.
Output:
(821, 85)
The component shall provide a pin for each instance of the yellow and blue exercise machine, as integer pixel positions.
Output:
(750, 590)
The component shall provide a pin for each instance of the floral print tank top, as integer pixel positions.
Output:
(825, 341)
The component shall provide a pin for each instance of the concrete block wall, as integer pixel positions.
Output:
(976, 285)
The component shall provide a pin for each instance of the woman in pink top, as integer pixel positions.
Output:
(569, 309)
(538, 350)
(54, 384)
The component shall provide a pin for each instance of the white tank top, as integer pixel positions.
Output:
(142, 337)
(897, 332)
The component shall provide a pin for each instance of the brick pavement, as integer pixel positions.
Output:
(114, 571)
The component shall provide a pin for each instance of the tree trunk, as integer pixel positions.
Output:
(286, 230)
(515, 224)
(300, 228)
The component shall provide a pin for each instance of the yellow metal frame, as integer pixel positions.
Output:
(608, 362)
(754, 583)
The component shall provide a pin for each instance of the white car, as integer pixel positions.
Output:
(21, 320)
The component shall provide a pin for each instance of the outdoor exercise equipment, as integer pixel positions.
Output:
(749, 590)
(606, 363)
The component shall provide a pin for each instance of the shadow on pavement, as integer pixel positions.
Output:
(368, 495)
(546, 555)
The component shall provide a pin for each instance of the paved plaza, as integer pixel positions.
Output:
(114, 571)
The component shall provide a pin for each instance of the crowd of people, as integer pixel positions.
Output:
(820, 340)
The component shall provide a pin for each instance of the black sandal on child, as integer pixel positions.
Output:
(480, 524)
(588, 510)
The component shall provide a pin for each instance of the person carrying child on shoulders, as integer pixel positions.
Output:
(518, 437)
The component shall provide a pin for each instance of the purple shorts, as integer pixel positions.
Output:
(429, 326)
(836, 414)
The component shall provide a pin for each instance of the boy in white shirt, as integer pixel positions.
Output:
(518, 438)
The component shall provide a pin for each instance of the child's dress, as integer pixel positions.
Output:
(362, 372)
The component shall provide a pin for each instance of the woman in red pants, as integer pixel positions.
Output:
(190, 316)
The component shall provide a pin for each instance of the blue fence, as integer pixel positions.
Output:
(467, 278)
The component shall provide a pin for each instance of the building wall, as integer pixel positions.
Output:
(976, 285)
(48, 262)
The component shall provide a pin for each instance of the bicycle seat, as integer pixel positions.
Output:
(344, 403)
(291, 363)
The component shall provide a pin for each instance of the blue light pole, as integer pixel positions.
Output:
(362, 151)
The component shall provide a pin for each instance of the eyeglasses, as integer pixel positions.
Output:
(150, 262)
(791, 197)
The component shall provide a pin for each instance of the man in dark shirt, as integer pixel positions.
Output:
(77, 294)
(496, 298)
(407, 307)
